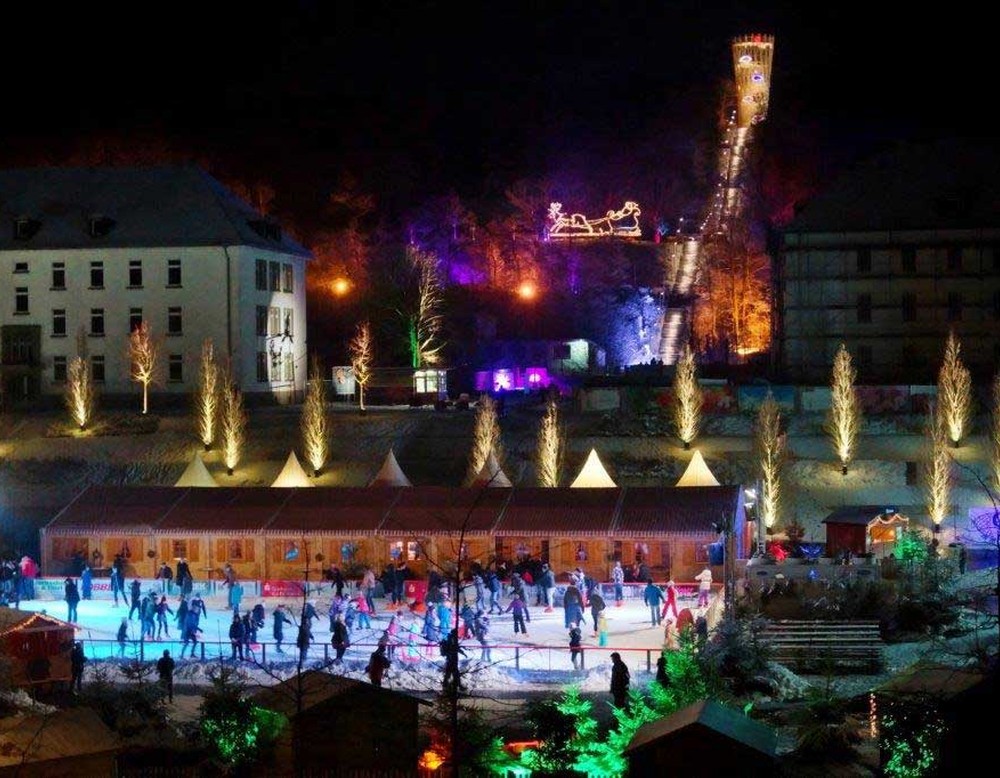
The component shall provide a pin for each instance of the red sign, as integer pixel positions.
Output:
(281, 588)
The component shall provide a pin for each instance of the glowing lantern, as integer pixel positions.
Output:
(340, 286)
(527, 290)
(430, 760)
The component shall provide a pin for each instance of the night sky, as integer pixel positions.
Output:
(419, 98)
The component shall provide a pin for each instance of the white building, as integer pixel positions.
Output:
(88, 253)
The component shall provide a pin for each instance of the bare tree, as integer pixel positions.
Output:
(425, 322)
(688, 398)
(361, 359)
(769, 446)
(207, 398)
(80, 396)
(844, 422)
(234, 425)
(954, 391)
(143, 354)
(549, 447)
(315, 421)
(485, 437)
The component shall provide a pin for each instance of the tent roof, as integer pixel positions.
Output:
(727, 721)
(62, 734)
(390, 474)
(593, 475)
(856, 514)
(12, 619)
(932, 678)
(316, 688)
(196, 474)
(491, 474)
(697, 473)
(292, 475)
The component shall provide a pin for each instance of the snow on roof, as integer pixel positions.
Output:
(593, 475)
(390, 474)
(730, 722)
(292, 475)
(697, 473)
(196, 474)
(491, 474)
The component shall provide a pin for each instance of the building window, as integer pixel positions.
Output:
(20, 267)
(179, 549)
(289, 366)
(287, 323)
(275, 275)
(97, 368)
(135, 273)
(864, 309)
(954, 259)
(59, 370)
(97, 323)
(134, 319)
(21, 300)
(58, 322)
(261, 275)
(954, 306)
(909, 306)
(412, 550)
(58, 275)
(274, 323)
(96, 275)
(261, 321)
(262, 367)
(864, 357)
(174, 323)
(234, 550)
(287, 274)
(909, 259)
(175, 365)
(173, 272)
(864, 260)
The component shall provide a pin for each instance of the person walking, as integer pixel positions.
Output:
(378, 665)
(86, 582)
(162, 609)
(77, 659)
(72, 599)
(122, 637)
(618, 579)
(575, 649)
(165, 670)
(619, 681)
(340, 639)
(520, 611)
(671, 600)
(704, 579)
(236, 635)
(597, 607)
(451, 649)
(135, 592)
(652, 596)
(279, 618)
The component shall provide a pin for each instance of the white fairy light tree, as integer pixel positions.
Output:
(485, 436)
(769, 445)
(315, 420)
(361, 359)
(844, 422)
(234, 425)
(549, 447)
(688, 398)
(954, 391)
(937, 468)
(207, 397)
(143, 356)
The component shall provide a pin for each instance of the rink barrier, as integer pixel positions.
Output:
(138, 649)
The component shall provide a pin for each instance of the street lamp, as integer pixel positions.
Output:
(725, 528)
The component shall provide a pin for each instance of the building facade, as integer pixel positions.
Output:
(89, 254)
(888, 261)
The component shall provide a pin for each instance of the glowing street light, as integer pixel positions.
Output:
(527, 290)
(340, 286)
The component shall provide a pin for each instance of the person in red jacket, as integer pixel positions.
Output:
(670, 602)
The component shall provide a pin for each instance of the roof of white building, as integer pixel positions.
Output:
(137, 207)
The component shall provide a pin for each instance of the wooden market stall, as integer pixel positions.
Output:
(863, 529)
(37, 647)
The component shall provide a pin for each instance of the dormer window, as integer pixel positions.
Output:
(266, 229)
(99, 226)
(25, 227)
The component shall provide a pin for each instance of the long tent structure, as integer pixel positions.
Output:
(265, 533)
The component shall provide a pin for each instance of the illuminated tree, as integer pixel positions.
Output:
(207, 397)
(995, 433)
(937, 468)
(549, 447)
(315, 422)
(844, 422)
(769, 446)
(954, 391)
(143, 353)
(425, 322)
(688, 398)
(361, 359)
(80, 393)
(234, 425)
(485, 436)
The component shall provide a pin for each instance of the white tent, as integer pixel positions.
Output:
(292, 474)
(697, 473)
(196, 474)
(491, 474)
(593, 475)
(390, 474)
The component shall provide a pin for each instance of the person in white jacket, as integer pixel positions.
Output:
(704, 579)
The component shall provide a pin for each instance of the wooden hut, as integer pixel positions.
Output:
(37, 646)
(863, 529)
(68, 742)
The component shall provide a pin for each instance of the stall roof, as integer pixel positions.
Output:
(434, 509)
(855, 514)
(730, 722)
(566, 511)
(102, 510)
(674, 509)
(71, 733)
(355, 510)
(240, 509)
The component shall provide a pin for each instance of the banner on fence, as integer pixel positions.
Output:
(281, 588)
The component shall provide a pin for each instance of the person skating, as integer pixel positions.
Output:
(670, 603)
(162, 609)
(547, 582)
(135, 594)
(77, 659)
(652, 596)
(480, 587)
(279, 618)
(367, 587)
(236, 635)
(482, 629)
(235, 596)
(166, 575)
(181, 614)
(575, 650)
(495, 586)
(378, 665)
(197, 605)
(183, 577)
(339, 638)
(165, 670)
(117, 586)
(147, 616)
(249, 635)
(520, 613)
(336, 610)
(619, 680)
(671, 637)
(618, 579)
(190, 632)
(72, 595)
(572, 606)
(122, 637)
(86, 582)
(596, 606)
(704, 579)
(451, 649)
(303, 640)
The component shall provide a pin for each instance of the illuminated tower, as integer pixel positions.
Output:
(752, 63)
